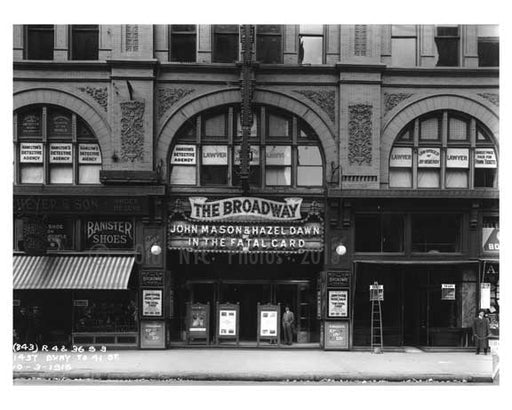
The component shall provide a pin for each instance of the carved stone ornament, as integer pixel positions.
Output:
(360, 134)
(392, 100)
(132, 131)
(325, 99)
(493, 98)
(167, 97)
(100, 94)
(360, 39)
(132, 37)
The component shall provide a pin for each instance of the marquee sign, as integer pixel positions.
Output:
(246, 208)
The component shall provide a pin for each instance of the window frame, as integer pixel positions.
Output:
(182, 34)
(380, 216)
(416, 43)
(322, 36)
(215, 30)
(442, 37)
(28, 29)
(260, 34)
(83, 28)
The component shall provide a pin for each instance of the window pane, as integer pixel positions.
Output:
(458, 129)
(214, 175)
(278, 155)
(309, 155)
(310, 50)
(429, 129)
(40, 42)
(403, 30)
(311, 29)
(392, 233)
(60, 234)
(61, 174)
(278, 126)
(31, 174)
(180, 28)
(403, 52)
(367, 233)
(435, 233)
(269, 28)
(456, 178)
(309, 176)
(225, 48)
(400, 178)
(183, 175)
(89, 174)
(254, 127)
(59, 124)
(485, 177)
(215, 126)
(448, 52)
(268, 49)
(488, 52)
(254, 175)
(428, 178)
(183, 47)
(278, 176)
(84, 42)
(29, 123)
(448, 31)
(215, 155)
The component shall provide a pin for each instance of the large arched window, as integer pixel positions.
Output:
(54, 146)
(284, 150)
(444, 149)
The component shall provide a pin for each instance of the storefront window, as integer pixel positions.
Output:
(379, 233)
(434, 233)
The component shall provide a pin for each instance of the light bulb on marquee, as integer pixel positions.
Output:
(156, 250)
(341, 250)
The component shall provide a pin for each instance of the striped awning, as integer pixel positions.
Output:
(72, 272)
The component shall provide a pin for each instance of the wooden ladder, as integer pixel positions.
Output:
(376, 326)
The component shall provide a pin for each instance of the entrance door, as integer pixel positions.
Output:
(414, 308)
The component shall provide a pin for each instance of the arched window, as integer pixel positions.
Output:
(443, 149)
(54, 146)
(284, 150)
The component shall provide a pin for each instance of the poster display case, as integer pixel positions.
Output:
(269, 319)
(337, 304)
(152, 334)
(228, 316)
(336, 335)
(198, 322)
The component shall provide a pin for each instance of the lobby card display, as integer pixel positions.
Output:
(152, 334)
(336, 335)
(198, 321)
(227, 322)
(269, 323)
(338, 303)
(152, 302)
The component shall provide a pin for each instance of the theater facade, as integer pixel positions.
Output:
(179, 185)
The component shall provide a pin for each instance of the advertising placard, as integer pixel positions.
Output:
(227, 322)
(457, 158)
(152, 302)
(448, 291)
(114, 233)
(376, 292)
(278, 155)
(31, 152)
(485, 295)
(61, 153)
(401, 157)
(485, 158)
(268, 323)
(429, 157)
(336, 335)
(184, 155)
(152, 334)
(215, 155)
(338, 303)
(198, 318)
(89, 154)
(254, 155)
(152, 278)
(491, 239)
(338, 279)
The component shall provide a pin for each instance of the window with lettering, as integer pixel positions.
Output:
(282, 150)
(54, 146)
(444, 150)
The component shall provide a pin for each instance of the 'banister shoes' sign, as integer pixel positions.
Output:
(245, 208)
(109, 233)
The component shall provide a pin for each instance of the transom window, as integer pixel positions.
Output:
(54, 146)
(443, 149)
(283, 150)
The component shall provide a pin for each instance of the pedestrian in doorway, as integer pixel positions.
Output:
(481, 332)
(288, 323)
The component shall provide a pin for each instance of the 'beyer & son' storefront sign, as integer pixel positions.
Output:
(246, 225)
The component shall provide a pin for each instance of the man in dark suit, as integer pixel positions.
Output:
(481, 332)
(288, 322)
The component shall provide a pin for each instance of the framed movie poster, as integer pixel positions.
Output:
(337, 303)
(336, 335)
(152, 302)
(227, 321)
(448, 291)
(152, 334)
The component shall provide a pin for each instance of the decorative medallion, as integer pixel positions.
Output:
(100, 95)
(360, 37)
(132, 37)
(325, 99)
(132, 131)
(167, 97)
(360, 134)
(392, 100)
(493, 98)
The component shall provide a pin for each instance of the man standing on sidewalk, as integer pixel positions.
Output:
(481, 332)
(288, 322)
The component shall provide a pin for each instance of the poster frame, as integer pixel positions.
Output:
(229, 307)
(143, 311)
(142, 325)
(199, 335)
(347, 293)
(329, 345)
(269, 308)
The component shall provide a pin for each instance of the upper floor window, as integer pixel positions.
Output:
(268, 44)
(435, 233)
(379, 233)
(225, 43)
(183, 43)
(448, 45)
(443, 149)
(39, 40)
(311, 43)
(283, 150)
(404, 45)
(84, 42)
(54, 146)
(488, 46)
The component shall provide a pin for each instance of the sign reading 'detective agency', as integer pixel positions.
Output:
(31, 152)
(61, 153)
(89, 154)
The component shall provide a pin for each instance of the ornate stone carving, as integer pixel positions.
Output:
(100, 94)
(360, 39)
(167, 97)
(325, 99)
(493, 98)
(132, 131)
(132, 37)
(392, 100)
(360, 134)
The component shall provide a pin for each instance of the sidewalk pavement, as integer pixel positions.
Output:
(257, 365)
